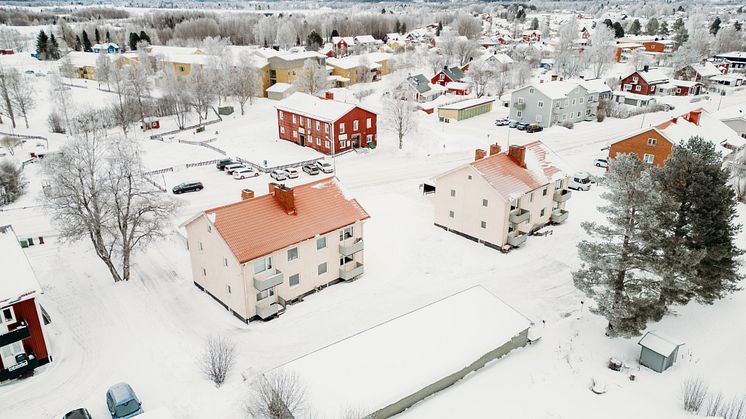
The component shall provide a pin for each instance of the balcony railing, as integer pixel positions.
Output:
(19, 333)
(559, 216)
(519, 215)
(268, 307)
(350, 270)
(520, 105)
(350, 246)
(516, 238)
(268, 279)
(562, 195)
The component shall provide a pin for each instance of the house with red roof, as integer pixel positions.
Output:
(256, 255)
(326, 125)
(23, 343)
(498, 199)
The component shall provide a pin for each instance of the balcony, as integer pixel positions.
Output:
(559, 216)
(23, 368)
(19, 333)
(268, 279)
(562, 195)
(350, 246)
(519, 215)
(270, 306)
(516, 238)
(350, 270)
(519, 105)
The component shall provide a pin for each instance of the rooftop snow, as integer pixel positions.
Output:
(279, 87)
(383, 364)
(556, 89)
(315, 107)
(660, 344)
(467, 103)
(18, 279)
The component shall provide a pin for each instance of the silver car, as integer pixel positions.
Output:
(278, 174)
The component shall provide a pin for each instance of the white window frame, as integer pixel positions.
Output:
(290, 280)
(320, 240)
(540, 103)
(297, 253)
(341, 127)
(368, 122)
(648, 158)
(319, 269)
(652, 142)
(266, 261)
(355, 125)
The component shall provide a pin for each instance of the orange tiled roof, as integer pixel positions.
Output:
(259, 226)
(511, 180)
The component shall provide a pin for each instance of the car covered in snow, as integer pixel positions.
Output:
(521, 126)
(123, 402)
(81, 413)
(325, 166)
(501, 122)
(229, 169)
(244, 172)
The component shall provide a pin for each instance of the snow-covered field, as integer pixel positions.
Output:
(150, 331)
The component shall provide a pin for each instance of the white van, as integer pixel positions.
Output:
(580, 181)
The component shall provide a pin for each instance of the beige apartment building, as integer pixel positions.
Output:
(256, 255)
(498, 199)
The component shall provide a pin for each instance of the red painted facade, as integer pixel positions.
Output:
(27, 310)
(317, 134)
(533, 36)
(636, 84)
(441, 78)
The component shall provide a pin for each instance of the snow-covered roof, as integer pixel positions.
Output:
(392, 36)
(464, 104)
(383, 364)
(349, 40)
(683, 83)
(556, 89)
(706, 69)
(315, 107)
(457, 85)
(105, 46)
(168, 50)
(653, 76)
(732, 112)
(635, 96)
(500, 58)
(279, 87)
(595, 86)
(365, 39)
(354, 61)
(18, 279)
(739, 55)
(83, 59)
(710, 128)
(659, 343)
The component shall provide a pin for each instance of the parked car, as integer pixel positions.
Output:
(187, 187)
(123, 402)
(324, 166)
(311, 169)
(244, 173)
(604, 162)
(589, 118)
(29, 72)
(278, 174)
(521, 126)
(512, 123)
(534, 128)
(225, 162)
(229, 169)
(580, 181)
(81, 413)
(501, 122)
(292, 172)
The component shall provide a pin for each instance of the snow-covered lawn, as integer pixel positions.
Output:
(150, 331)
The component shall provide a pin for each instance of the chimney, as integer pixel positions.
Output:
(246, 194)
(284, 196)
(495, 149)
(694, 116)
(479, 154)
(518, 154)
(645, 68)
(329, 95)
(674, 119)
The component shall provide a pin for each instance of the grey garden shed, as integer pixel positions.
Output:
(659, 352)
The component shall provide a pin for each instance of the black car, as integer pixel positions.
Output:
(521, 126)
(311, 169)
(534, 128)
(187, 187)
(225, 162)
(81, 413)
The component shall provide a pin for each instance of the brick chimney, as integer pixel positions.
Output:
(246, 194)
(329, 95)
(694, 116)
(495, 149)
(479, 154)
(518, 154)
(284, 196)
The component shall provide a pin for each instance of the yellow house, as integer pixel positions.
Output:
(353, 67)
(283, 68)
(83, 64)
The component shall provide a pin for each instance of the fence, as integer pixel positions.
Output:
(159, 171)
(152, 182)
(204, 144)
(28, 137)
(176, 131)
(202, 163)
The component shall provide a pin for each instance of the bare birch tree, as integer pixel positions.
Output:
(312, 78)
(138, 87)
(481, 75)
(218, 359)
(245, 81)
(122, 108)
(7, 78)
(602, 50)
(286, 36)
(103, 68)
(201, 93)
(398, 112)
(177, 95)
(276, 395)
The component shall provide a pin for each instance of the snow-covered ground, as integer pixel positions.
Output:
(150, 331)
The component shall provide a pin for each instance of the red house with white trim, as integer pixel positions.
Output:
(448, 75)
(643, 82)
(325, 125)
(531, 36)
(23, 346)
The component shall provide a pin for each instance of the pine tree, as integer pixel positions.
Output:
(41, 44)
(701, 228)
(439, 29)
(652, 26)
(618, 30)
(715, 27)
(53, 48)
(78, 44)
(737, 26)
(681, 36)
(397, 27)
(108, 38)
(134, 39)
(86, 42)
(534, 24)
(663, 28)
(314, 41)
(635, 27)
(615, 269)
(521, 16)
(677, 24)
(609, 23)
(97, 35)
(334, 33)
(404, 27)
(144, 37)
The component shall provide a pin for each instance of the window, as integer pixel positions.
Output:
(326, 128)
(542, 212)
(531, 197)
(355, 125)
(292, 254)
(204, 272)
(308, 123)
(652, 142)
(485, 202)
(294, 121)
(318, 140)
(200, 246)
(649, 158)
(453, 192)
(182, 68)
(228, 288)
(469, 177)
(346, 233)
(483, 224)
(282, 115)
(442, 76)
(8, 316)
(327, 144)
(638, 88)
(573, 101)
(578, 114)
(544, 192)
(520, 100)
(368, 123)
(265, 294)
(318, 125)
(341, 143)
(295, 134)
(635, 79)
(581, 100)
(531, 90)
(262, 264)
(225, 261)
(320, 243)
(540, 103)
(519, 113)
(451, 214)
(341, 127)
(282, 130)
(294, 280)
(513, 204)
(322, 268)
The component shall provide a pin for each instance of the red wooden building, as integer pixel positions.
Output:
(325, 125)
(23, 346)
(531, 36)
(643, 82)
(448, 75)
